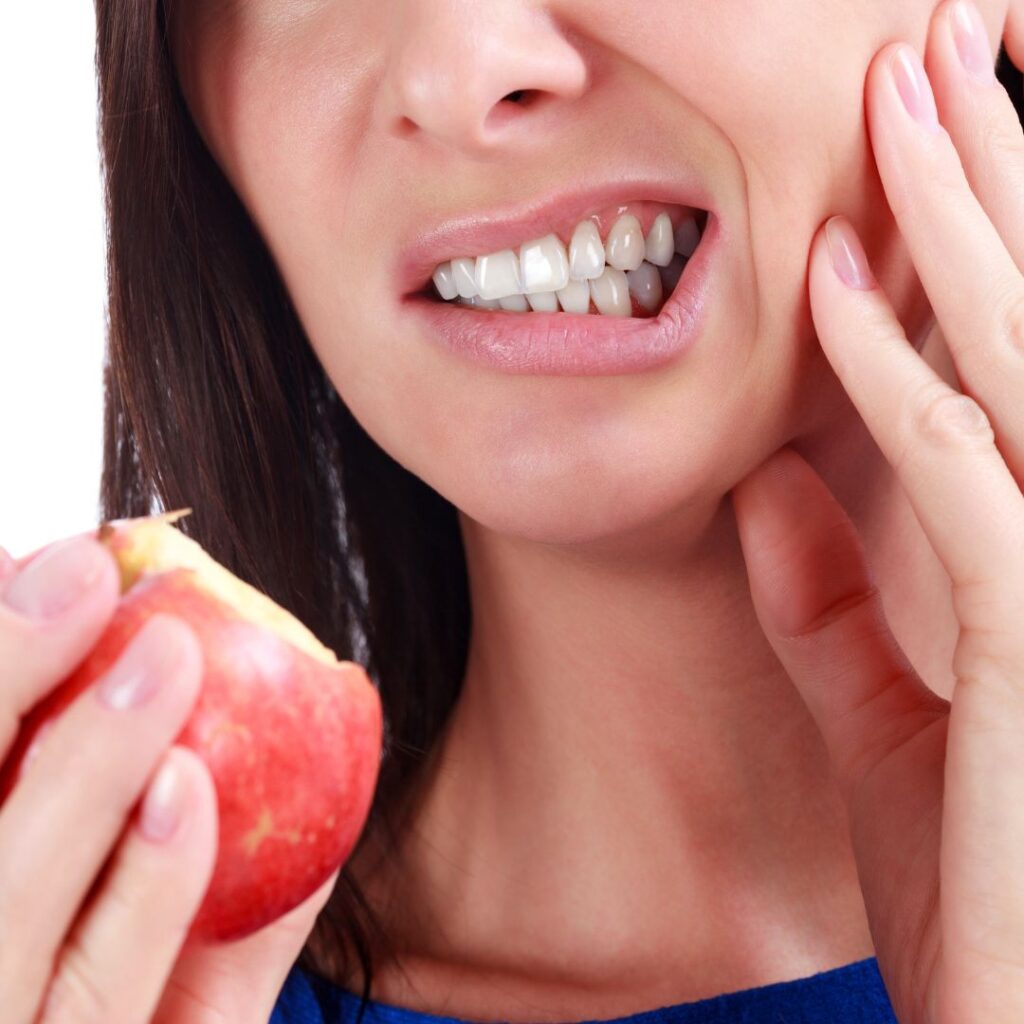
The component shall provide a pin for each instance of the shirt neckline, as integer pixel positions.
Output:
(853, 975)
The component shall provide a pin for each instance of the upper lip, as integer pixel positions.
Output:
(506, 227)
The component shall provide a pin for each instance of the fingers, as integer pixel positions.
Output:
(938, 441)
(980, 117)
(982, 839)
(90, 769)
(817, 603)
(1013, 38)
(972, 280)
(884, 729)
(116, 961)
(52, 612)
(264, 958)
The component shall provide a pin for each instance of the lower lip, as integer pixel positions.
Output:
(570, 344)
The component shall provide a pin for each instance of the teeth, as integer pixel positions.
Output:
(547, 276)
(497, 275)
(463, 273)
(610, 293)
(444, 281)
(514, 303)
(645, 284)
(670, 275)
(586, 252)
(575, 297)
(624, 249)
(660, 243)
(687, 237)
(544, 265)
(542, 302)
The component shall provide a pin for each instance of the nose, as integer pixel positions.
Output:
(475, 74)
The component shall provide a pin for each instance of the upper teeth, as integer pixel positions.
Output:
(544, 265)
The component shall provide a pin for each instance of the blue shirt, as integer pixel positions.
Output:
(852, 994)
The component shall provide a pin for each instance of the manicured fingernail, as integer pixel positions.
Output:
(56, 578)
(163, 804)
(849, 260)
(137, 674)
(972, 41)
(914, 88)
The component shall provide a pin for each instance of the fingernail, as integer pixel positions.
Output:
(56, 578)
(163, 803)
(148, 659)
(914, 88)
(972, 41)
(849, 260)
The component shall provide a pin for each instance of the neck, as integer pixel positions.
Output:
(629, 784)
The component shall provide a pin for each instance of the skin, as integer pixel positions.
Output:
(671, 825)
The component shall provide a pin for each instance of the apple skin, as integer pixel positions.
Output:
(293, 745)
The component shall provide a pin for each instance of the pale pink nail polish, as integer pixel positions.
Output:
(849, 260)
(914, 88)
(163, 805)
(971, 41)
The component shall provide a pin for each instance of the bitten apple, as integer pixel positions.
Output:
(292, 736)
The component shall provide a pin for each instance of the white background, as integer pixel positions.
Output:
(52, 276)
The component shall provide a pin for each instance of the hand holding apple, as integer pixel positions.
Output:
(269, 726)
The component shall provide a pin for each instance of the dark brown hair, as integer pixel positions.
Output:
(216, 401)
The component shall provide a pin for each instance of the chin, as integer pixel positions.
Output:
(573, 495)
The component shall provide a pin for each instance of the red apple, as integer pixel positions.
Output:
(292, 736)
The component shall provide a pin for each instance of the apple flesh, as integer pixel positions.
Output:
(291, 735)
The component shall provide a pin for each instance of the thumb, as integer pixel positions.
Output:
(818, 604)
(240, 980)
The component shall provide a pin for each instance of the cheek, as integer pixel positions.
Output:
(278, 97)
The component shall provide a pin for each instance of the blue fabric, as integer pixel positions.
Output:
(852, 994)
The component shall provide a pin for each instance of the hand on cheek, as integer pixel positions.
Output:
(935, 789)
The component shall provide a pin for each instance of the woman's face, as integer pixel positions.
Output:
(350, 128)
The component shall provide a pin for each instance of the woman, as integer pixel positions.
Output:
(683, 745)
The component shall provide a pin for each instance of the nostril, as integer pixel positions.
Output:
(512, 108)
(405, 127)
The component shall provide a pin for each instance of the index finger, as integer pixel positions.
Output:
(969, 275)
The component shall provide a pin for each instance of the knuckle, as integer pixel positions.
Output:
(947, 189)
(903, 197)
(991, 654)
(157, 893)
(985, 599)
(1011, 324)
(23, 673)
(77, 752)
(36, 655)
(1003, 137)
(192, 1004)
(949, 183)
(949, 419)
(74, 996)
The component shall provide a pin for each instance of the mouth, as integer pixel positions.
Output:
(595, 284)
(622, 261)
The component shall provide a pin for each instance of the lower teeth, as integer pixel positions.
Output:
(639, 293)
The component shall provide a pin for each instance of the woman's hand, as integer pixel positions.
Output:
(934, 789)
(95, 904)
